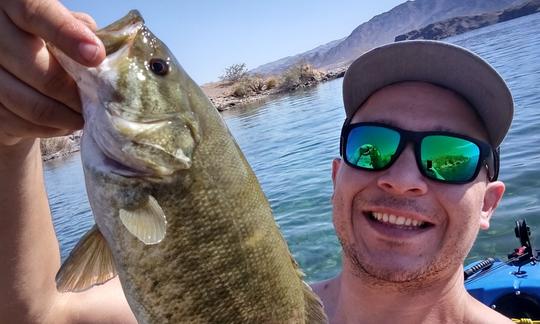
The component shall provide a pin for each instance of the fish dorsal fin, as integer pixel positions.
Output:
(314, 309)
(89, 263)
(147, 223)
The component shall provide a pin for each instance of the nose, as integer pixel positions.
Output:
(403, 177)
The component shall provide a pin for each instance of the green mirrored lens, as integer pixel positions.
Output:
(449, 158)
(371, 147)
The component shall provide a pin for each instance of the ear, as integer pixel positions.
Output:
(492, 197)
(336, 163)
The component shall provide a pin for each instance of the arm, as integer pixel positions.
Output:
(38, 99)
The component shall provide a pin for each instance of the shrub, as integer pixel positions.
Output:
(298, 74)
(290, 80)
(271, 83)
(234, 73)
(255, 83)
(240, 90)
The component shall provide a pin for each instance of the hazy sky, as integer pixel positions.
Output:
(207, 36)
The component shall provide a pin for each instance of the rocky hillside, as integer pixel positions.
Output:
(459, 25)
(383, 28)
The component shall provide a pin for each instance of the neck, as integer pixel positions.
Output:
(362, 300)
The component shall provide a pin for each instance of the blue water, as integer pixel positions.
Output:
(291, 140)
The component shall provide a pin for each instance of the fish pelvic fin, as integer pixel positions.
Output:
(147, 223)
(314, 309)
(89, 263)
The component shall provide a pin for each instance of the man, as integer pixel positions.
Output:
(404, 231)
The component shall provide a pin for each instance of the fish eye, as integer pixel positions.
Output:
(159, 66)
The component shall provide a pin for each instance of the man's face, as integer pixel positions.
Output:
(451, 214)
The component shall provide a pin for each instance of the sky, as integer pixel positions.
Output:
(208, 36)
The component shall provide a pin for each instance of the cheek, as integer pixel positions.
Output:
(463, 206)
(348, 183)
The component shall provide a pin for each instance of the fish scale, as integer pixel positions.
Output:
(177, 207)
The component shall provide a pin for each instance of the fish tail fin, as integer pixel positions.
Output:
(314, 309)
(89, 263)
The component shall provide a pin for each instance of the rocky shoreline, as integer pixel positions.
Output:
(221, 93)
(60, 147)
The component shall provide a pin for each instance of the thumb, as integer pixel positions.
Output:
(50, 20)
(85, 19)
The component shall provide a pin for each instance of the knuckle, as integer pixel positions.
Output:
(29, 11)
(40, 112)
(63, 27)
(86, 19)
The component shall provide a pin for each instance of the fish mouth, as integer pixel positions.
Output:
(120, 33)
(104, 162)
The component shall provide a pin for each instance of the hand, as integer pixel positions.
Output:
(37, 97)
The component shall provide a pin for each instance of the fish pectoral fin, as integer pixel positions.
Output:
(314, 309)
(89, 263)
(147, 223)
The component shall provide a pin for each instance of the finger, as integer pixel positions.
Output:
(86, 19)
(13, 127)
(27, 58)
(51, 21)
(34, 107)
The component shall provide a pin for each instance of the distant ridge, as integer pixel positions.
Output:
(459, 25)
(383, 29)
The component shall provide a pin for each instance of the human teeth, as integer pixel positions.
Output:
(396, 220)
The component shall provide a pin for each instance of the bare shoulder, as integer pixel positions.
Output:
(100, 304)
(325, 287)
(480, 313)
(328, 291)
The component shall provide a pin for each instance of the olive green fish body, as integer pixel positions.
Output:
(191, 233)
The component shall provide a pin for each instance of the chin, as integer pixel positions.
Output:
(398, 272)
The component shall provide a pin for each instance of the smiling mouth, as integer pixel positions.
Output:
(395, 221)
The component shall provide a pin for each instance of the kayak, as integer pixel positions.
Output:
(511, 287)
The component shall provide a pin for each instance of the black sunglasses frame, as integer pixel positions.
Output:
(488, 155)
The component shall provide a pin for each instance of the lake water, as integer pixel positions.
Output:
(291, 140)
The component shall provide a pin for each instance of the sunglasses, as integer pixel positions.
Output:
(441, 156)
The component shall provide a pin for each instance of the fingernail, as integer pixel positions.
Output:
(88, 51)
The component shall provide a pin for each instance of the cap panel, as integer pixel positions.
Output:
(439, 63)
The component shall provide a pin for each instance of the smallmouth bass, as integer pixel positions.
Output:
(180, 215)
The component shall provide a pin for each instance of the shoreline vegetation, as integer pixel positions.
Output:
(237, 87)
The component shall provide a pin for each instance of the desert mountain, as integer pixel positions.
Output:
(459, 25)
(383, 28)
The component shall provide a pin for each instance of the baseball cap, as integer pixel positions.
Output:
(443, 64)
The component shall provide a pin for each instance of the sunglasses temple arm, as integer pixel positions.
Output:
(342, 139)
(495, 158)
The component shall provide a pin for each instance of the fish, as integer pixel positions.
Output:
(180, 216)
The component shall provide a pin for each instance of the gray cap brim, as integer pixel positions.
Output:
(439, 63)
